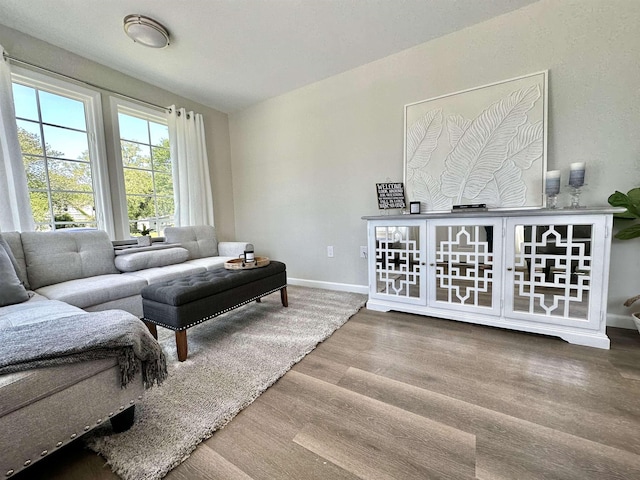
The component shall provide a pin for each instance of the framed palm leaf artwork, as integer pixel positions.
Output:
(482, 145)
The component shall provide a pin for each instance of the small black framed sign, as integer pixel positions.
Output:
(414, 207)
(390, 195)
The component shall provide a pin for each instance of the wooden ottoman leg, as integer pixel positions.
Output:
(258, 300)
(152, 328)
(283, 297)
(181, 344)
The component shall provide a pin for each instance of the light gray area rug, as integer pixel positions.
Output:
(232, 360)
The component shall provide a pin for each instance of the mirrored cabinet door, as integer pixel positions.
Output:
(398, 261)
(556, 271)
(463, 264)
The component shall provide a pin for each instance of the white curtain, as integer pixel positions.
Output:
(191, 180)
(15, 208)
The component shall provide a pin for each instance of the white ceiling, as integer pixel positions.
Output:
(229, 54)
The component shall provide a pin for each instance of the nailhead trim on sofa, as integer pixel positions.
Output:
(59, 444)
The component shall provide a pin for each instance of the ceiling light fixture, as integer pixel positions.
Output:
(146, 31)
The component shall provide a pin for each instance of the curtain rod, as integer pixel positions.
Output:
(23, 62)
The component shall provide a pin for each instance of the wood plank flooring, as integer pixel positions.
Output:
(399, 396)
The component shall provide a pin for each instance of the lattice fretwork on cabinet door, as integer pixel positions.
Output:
(399, 262)
(553, 271)
(464, 265)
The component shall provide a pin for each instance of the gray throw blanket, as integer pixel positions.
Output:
(85, 336)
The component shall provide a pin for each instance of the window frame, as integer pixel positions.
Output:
(120, 105)
(92, 102)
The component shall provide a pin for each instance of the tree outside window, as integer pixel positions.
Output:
(147, 168)
(53, 137)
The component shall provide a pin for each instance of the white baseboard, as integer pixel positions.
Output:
(341, 287)
(620, 321)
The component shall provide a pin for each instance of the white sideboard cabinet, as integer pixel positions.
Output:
(541, 271)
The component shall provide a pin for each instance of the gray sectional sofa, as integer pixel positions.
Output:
(83, 269)
(67, 272)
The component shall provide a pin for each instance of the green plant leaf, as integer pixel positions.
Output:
(628, 233)
(634, 196)
(631, 202)
(625, 216)
(618, 199)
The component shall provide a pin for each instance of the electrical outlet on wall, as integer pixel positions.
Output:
(363, 252)
(330, 251)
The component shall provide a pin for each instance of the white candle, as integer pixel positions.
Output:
(576, 174)
(552, 185)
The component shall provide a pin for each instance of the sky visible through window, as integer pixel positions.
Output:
(56, 110)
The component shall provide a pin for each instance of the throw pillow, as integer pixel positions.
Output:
(11, 289)
(14, 262)
(13, 245)
(133, 262)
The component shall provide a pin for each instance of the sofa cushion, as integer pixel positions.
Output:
(37, 309)
(161, 274)
(132, 304)
(55, 257)
(200, 240)
(210, 263)
(11, 289)
(133, 262)
(85, 292)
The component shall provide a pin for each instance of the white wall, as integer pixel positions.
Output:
(305, 163)
(216, 123)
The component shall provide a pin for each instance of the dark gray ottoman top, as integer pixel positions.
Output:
(200, 285)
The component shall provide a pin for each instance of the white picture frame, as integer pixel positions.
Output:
(486, 144)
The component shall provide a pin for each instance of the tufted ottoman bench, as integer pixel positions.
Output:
(184, 302)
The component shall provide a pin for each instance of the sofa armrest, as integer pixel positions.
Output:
(231, 249)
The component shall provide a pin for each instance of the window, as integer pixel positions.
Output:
(61, 134)
(57, 130)
(147, 168)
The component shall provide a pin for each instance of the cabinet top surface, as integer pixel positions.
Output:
(502, 213)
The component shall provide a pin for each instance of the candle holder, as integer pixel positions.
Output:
(575, 196)
(576, 182)
(552, 188)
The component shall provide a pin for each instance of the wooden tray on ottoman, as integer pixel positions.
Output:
(238, 263)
